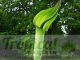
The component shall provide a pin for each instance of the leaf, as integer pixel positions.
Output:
(45, 17)
(47, 24)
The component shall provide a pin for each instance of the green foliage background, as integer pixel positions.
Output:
(16, 16)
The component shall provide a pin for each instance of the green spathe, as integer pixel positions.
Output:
(47, 15)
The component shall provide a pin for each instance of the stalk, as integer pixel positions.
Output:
(38, 45)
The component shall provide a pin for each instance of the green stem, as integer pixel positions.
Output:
(38, 45)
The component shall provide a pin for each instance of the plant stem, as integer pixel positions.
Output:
(38, 45)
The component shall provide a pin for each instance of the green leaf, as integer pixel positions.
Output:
(47, 24)
(45, 17)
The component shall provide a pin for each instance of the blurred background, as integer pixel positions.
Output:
(16, 16)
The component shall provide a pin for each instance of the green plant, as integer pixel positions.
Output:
(68, 48)
(42, 21)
